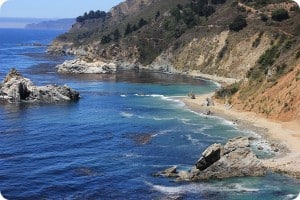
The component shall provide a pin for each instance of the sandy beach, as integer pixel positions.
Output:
(283, 136)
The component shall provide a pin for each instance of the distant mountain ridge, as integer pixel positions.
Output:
(11, 22)
(60, 24)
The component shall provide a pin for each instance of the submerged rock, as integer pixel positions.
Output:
(234, 159)
(16, 88)
(142, 138)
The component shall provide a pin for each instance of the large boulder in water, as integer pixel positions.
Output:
(234, 159)
(16, 88)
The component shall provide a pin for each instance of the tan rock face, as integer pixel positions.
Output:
(128, 7)
(222, 54)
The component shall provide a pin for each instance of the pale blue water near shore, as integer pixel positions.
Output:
(92, 149)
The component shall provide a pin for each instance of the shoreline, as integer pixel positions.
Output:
(283, 137)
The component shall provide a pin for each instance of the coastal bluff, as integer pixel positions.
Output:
(15, 88)
(234, 159)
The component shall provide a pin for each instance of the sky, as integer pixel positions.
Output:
(52, 9)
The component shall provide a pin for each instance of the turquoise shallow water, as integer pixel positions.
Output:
(93, 149)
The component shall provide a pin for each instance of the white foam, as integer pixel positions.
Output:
(165, 98)
(1, 197)
(126, 114)
(162, 133)
(155, 118)
(123, 95)
(132, 155)
(298, 197)
(192, 140)
(162, 119)
(198, 188)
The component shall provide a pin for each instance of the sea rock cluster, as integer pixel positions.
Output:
(80, 66)
(234, 159)
(16, 88)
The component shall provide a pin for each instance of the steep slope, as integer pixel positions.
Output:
(254, 42)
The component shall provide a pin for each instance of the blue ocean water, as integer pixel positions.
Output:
(125, 128)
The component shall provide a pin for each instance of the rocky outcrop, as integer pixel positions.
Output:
(234, 159)
(79, 66)
(16, 88)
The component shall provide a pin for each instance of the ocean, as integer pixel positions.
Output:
(125, 128)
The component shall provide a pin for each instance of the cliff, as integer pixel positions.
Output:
(254, 42)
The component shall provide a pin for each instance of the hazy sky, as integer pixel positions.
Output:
(53, 8)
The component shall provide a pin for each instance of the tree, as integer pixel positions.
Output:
(142, 23)
(106, 39)
(175, 12)
(208, 10)
(134, 28)
(117, 35)
(218, 1)
(188, 17)
(92, 15)
(128, 29)
(198, 5)
(238, 23)
(263, 17)
(280, 14)
(157, 15)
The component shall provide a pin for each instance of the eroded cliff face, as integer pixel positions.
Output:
(223, 54)
(279, 101)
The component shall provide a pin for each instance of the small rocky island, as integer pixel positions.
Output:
(79, 66)
(16, 88)
(234, 159)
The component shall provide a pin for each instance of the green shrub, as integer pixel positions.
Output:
(269, 57)
(188, 17)
(142, 23)
(238, 23)
(128, 29)
(106, 39)
(280, 14)
(222, 52)
(175, 12)
(257, 40)
(298, 54)
(117, 35)
(263, 17)
(218, 1)
(228, 90)
(289, 43)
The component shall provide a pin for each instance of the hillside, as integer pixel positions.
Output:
(254, 42)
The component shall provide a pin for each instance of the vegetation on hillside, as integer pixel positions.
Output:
(92, 15)
(280, 14)
(238, 23)
(267, 27)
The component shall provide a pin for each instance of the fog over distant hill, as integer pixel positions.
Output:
(8, 22)
(60, 24)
